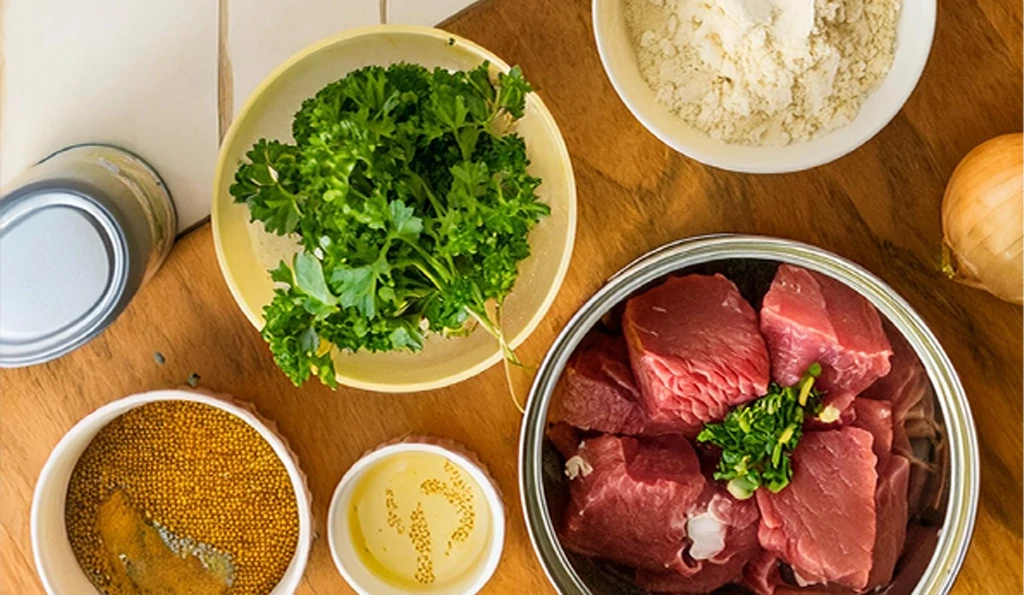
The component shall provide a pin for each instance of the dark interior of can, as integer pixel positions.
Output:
(753, 278)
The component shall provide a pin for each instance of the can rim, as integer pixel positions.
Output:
(71, 195)
(962, 505)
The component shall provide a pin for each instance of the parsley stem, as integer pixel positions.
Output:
(484, 320)
(495, 331)
(432, 262)
(787, 434)
(509, 359)
(382, 256)
(422, 267)
(438, 209)
(805, 389)
(511, 387)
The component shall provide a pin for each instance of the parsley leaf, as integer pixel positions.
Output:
(309, 277)
(409, 193)
(359, 286)
(404, 223)
(261, 184)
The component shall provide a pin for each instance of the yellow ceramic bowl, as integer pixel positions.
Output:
(268, 113)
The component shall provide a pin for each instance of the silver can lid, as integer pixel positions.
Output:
(63, 272)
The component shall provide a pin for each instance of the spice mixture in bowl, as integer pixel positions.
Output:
(173, 492)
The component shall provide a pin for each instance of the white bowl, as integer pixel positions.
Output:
(55, 562)
(339, 536)
(914, 33)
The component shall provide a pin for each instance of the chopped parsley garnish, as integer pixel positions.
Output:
(412, 203)
(757, 438)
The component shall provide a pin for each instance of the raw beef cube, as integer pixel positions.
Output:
(823, 523)
(908, 389)
(565, 438)
(915, 560)
(927, 487)
(722, 532)
(891, 504)
(761, 575)
(863, 351)
(696, 350)
(876, 417)
(629, 499)
(815, 590)
(598, 391)
(796, 324)
(913, 409)
(807, 317)
(906, 384)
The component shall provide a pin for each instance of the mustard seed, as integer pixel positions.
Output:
(206, 481)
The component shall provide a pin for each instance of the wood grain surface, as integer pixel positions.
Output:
(878, 206)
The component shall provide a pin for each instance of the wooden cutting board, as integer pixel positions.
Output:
(878, 206)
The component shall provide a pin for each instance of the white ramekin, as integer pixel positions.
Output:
(55, 562)
(339, 536)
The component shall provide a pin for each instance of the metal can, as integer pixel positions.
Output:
(80, 233)
(933, 557)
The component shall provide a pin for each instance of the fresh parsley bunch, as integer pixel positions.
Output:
(757, 438)
(412, 203)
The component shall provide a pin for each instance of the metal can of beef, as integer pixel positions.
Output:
(932, 555)
(80, 232)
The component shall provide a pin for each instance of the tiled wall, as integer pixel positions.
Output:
(159, 77)
(423, 12)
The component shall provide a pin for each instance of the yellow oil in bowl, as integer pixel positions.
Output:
(417, 519)
(418, 515)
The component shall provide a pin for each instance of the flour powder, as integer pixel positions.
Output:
(764, 72)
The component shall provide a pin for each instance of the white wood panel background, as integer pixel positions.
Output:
(159, 77)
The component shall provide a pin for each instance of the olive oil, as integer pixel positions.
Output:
(419, 520)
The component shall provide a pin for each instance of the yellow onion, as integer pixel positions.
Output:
(983, 219)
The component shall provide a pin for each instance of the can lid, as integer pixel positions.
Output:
(63, 271)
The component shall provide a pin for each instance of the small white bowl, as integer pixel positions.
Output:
(339, 536)
(914, 33)
(55, 562)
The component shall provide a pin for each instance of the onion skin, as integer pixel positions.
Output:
(983, 219)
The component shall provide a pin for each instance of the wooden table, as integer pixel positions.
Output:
(878, 206)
